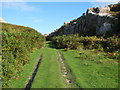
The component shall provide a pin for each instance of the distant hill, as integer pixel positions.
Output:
(96, 21)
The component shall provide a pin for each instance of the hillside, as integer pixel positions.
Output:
(17, 43)
(83, 53)
(96, 21)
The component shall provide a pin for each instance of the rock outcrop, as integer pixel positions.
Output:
(2, 21)
(96, 21)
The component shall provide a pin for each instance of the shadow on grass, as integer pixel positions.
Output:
(51, 45)
(54, 46)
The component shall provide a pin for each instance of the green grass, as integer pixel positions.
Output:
(92, 69)
(28, 68)
(49, 75)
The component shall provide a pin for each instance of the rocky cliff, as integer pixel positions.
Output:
(96, 21)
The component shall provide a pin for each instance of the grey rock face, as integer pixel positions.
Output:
(96, 21)
(104, 27)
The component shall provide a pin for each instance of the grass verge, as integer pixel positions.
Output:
(92, 69)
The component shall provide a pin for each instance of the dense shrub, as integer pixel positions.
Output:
(112, 44)
(76, 42)
(17, 43)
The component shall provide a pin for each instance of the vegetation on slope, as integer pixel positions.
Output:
(20, 80)
(17, 43)
(115, 9)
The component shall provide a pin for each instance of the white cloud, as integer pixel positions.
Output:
(12, 0)
(102, 3)
(18, 5)
(115, 1)
(60, 0)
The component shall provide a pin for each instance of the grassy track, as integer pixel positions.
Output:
(91, 69)
(20, 81)
(49, 75)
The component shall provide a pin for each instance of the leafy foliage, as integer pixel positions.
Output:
(17, 43)
(76, 42)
